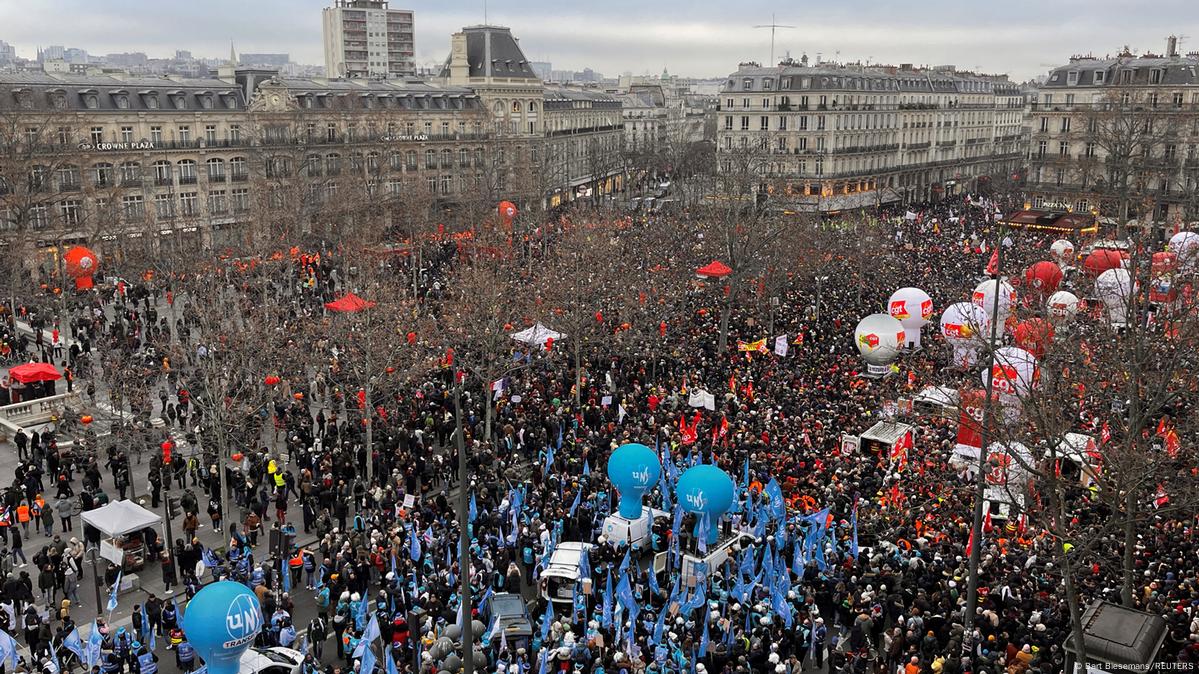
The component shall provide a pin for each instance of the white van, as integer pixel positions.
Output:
(717, 555)
(561, 576)
(634, 533)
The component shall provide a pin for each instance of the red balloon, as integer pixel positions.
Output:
(412, 338)
(1101, 260)
(81, 265)
(1164, 263)
(662, 329)
(1034, 335)
(599, 317)
(1043, 278)
(507, 211)
(270, 380)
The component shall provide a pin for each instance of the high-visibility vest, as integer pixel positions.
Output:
(22, 513)
(278, 480)
(146, 664)
(297, 561)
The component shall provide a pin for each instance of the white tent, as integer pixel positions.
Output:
(120, 518)
(536, 335)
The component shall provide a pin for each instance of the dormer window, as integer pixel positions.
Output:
(122, 101)
(151, 100)
(1098, 77)
(206, 102)
(92, 101)
(768, 83)
(179, 101)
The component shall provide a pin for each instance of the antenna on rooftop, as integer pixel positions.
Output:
(773, 25)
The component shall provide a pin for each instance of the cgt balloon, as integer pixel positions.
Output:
(912, 307)
(1062, 304)
(1116, 288)
(221, 622)
(705, 490)
(965, 327)
(984, 298)
(633, 469)
(879, 338)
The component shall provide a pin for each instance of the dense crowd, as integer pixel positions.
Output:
(883, 588)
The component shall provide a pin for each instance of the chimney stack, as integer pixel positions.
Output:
(1172, 47)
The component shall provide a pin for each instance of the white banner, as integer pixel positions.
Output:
(780, 346)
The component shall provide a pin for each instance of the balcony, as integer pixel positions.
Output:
(71, 186)
(239, 177)
(919, 146)
(187, 180)
(161, 181)
(218, 178)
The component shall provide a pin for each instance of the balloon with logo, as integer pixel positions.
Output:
(1042, 280)
(1062, 305)
(507, 211)
(912, 307)
(1162, 268)
(1062, 251)
(984, 298)
(81, 266)
(1034, 335)
(879, 338)
(964, 326)
(1013, 372)
(221, 622)
(633, 469)
(1115, 289)
(1101, 260)
(706, 491)
(1186, 246)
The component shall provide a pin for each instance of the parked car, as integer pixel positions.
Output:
(276, 660)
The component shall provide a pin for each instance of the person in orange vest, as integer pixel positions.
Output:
(5, 522)
(295, 566)
(23, 516)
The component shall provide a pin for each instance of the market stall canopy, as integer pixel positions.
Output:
(886, 432)
(119, 518)
(34, 372)
(714, 269)
(1053, 221)
(537, 335)
(348, 303)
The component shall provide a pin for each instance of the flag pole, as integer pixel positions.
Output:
(980, 479)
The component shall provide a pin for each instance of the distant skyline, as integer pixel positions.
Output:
(698, 38)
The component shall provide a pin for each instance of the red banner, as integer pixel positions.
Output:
(970, 417)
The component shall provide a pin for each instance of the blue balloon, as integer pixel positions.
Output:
(633, 469)
(221, 623)
(705, 490)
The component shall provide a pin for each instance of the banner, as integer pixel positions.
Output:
(759, 346)
(970, 417)
(780, 346)
(849, 443)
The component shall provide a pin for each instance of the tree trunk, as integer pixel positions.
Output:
(468, 638)
(370, 437)
(1128, 556)
(1063, 558)
(725, 314)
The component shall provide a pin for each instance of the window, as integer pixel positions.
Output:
(331, 132)
(394, 187)
(210, 134)
(164, 206)
(1041, 147)
(431, 183)
(217, 202)
(126, 134)
(187, 172)
(162, 172)
(745, 104)
(803, 123)
(802, 144)
(410, 160)
(189, 204)
(1063, 149)
(1098, 77)
(97, 135)
(767, 83)
(68, 178)
(445, 184)
(131, 173)
(764, 121)
(237, 168)
(782, 123)
(70, 210)
(765, 103)
(1155, 76)
(216, 169)
(184, 134)
(235, 133)
(1072, 77)
(240, 199)
(1044, 124)
(103, 175)
(1061, 177)
(1176, 99)
(1082, 206)
(1089, 151)
(431, 160)
(333, 164)
(747, 83)
(39, 217)
(156, 134)
(820, 122)
(1065, 124)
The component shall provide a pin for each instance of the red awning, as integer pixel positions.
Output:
(348, 303)
(714, 269)
(32, 372)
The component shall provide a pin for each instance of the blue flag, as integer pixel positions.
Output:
(653, 581)
(549, 455)
(94, 641)
(585, 563)
(368, 635)
(777, 506)
(286, 572)
(575, 506)
(559, 436)
(360, 613)
(112, 597)
(608, 600)
(624, 595)
(391, 661)
(853, 541)
(474, 509)
(486, 595)
(703, 641)
(546, 621)
(541, 667)
(210, 559)
(413, 545)
(659, 626)
(368, 661)
(586, 467)
(74, 643)
(8, 650)
(624, 563)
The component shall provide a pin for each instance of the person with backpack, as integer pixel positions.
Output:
(185, 656)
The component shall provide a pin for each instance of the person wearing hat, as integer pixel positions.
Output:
(145, 660)
(185, 655)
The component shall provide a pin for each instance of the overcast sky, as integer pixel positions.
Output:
(688, 37)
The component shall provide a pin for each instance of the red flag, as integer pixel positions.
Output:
(724, 426)
(970, 543)
(1105, 434)
(987, 528)
(1161, 427)
(1172, 443)
(993, 265)
(1161, 498)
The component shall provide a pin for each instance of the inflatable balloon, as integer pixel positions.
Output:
(1063, 251)
(1186, 246)
(1115, 288)
(81, 265)
(1062, 304)
(1042, 279)
(984, 298)
(507, 211)
(1101, 260)
(912, 307)
(1034, 335)
(705, 490)
(1013, 372)
(1162, 289)
(879, 338)
(633, 469)
(221, 622)
(966, 328)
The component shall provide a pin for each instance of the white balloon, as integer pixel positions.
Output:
(1013, 372)
(1186, 246)
(965, 327)
(913, 308)
(984, 298)
(1116, 288)
(1062, 304)
(1063, 251)
(879, 338)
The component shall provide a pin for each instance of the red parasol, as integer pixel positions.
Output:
(33, 372)
(714, 269)
(348, 303)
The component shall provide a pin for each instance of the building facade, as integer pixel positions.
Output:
(128, 163)
(366, 38)
(833, 136)
(1118, 136)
